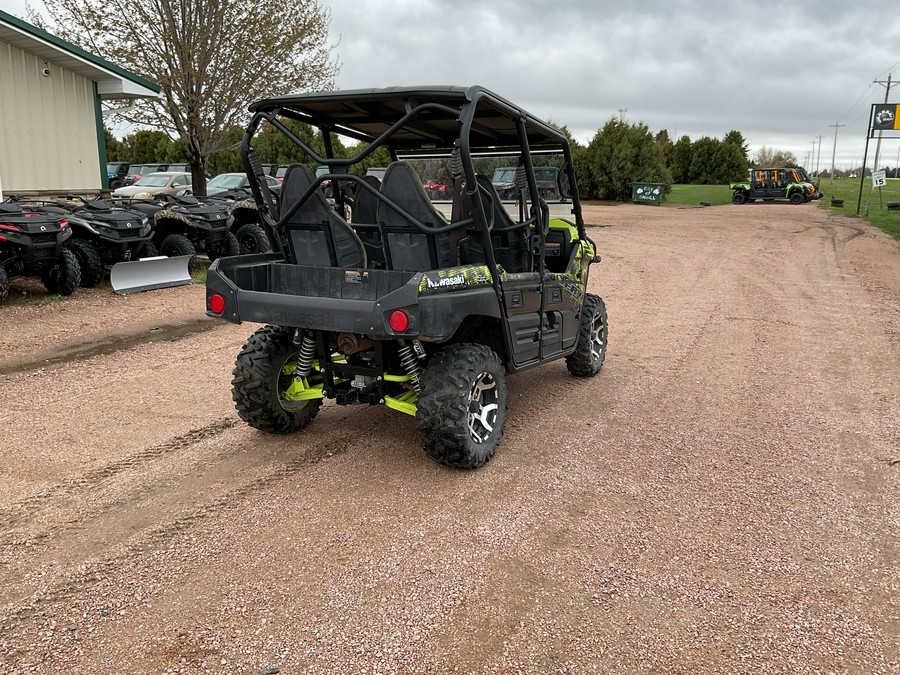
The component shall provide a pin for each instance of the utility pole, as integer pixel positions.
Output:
(834, 150)
(819, 155)
(887, 91)
(812, 156)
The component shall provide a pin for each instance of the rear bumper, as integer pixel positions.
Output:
(263, 289)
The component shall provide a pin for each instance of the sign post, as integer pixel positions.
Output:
(883, 117)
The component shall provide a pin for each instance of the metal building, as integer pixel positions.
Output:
(51, 123)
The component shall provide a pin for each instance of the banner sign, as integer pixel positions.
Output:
(886, 116)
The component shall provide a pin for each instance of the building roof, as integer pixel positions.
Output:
(113, 82)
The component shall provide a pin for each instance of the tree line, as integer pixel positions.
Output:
(619, 154)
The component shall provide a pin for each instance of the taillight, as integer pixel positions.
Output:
(5, 226)
(63, 224)
(398, 321)
(216, 303)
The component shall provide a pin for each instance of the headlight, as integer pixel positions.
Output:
(145, 227)
(141, 195)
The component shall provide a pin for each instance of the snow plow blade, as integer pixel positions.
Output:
(147, 274)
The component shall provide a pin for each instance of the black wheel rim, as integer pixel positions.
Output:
(248, 243)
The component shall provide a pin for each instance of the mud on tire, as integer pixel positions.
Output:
(64, 277)
(590, 350)
(461, 410)
(259, 381)
(88, 260)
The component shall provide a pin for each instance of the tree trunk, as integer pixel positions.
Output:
(198, 175)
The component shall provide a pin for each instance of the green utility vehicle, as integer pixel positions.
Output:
(407, 306)
(773, 184)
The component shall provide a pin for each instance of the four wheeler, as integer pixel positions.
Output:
(104, 234)
(420, 310)
(245, 224)
(185, 225)
(31, 243)
(772, 184)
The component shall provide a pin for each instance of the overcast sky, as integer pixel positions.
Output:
(780, 73)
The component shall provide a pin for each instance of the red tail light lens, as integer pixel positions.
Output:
(216, 303)
(398, 321)
(63, 224)
(4, 226)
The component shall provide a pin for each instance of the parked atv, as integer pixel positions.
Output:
(31, 243)
(246, 224)
(104, 234)
(185, 225)
(406, 306)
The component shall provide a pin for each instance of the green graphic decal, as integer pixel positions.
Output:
(454, 278)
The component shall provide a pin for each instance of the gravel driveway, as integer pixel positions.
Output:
(719, 500)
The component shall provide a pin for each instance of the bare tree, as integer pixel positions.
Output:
(772, 157)
(211, 58)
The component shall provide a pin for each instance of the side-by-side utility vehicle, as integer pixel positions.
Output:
(774, 184)
(422, 309)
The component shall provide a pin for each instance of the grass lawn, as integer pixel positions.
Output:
(873, 207)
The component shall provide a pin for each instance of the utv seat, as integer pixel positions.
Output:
(407, 246)
(508, 238)
(365, 222)
(316, 234)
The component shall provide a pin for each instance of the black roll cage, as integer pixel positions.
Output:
(419, 119)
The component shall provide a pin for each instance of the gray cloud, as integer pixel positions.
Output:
(778, 73)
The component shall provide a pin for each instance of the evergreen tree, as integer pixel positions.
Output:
(680, 160)
(621, 154)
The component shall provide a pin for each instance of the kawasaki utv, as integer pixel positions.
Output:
(423, 310)
(31, 243)
(773, 184)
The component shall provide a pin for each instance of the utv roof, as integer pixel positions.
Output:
(365, 114)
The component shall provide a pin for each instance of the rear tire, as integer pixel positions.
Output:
(590, 350)
(177, 244)
(88, 260)
(4, 284)
(64, 277)
(259, 383)
(461, 410)
(252, 239)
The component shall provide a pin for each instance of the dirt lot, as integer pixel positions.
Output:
(719, 499)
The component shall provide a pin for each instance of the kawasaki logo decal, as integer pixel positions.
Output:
(457, 280)
(468, 276)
